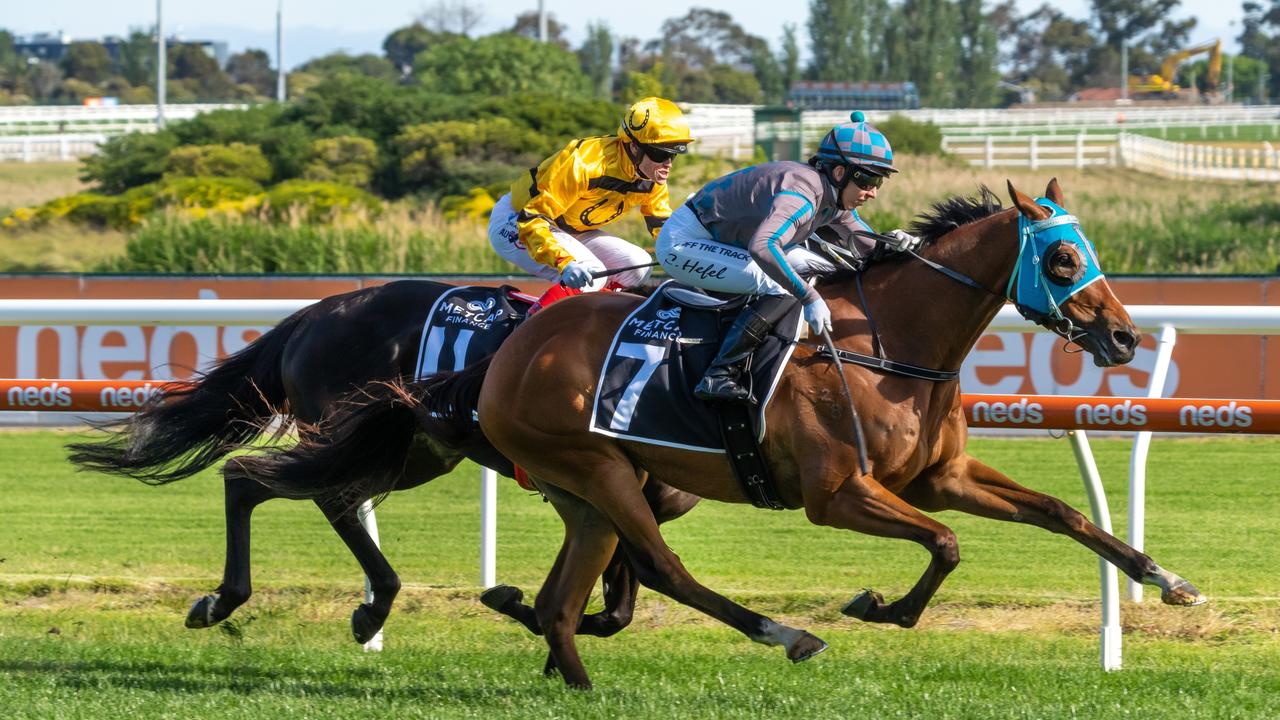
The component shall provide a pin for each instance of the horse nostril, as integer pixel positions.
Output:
(1124, 339)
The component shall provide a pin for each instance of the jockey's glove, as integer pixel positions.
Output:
(575, 275)
(905, 241)
(818, 316)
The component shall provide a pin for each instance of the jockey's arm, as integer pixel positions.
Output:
(847, 224)
(560, 182)
(656, 210)
(778, 230)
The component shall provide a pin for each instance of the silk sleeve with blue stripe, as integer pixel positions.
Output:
(789, 212)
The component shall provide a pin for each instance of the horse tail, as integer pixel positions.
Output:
(185, 429)
(361, 450)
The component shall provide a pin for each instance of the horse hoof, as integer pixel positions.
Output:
(862, 605)
(201, 613)
(806, 647)
(364, 625)
(1183, 594)
(497, 597)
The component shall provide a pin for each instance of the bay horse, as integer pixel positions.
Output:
(537, 392)
(301, 369)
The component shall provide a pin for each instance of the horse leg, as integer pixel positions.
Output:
(589, 545)
(862, 504)
(241, 496)
(614, 489)
(978, 489)
(618, 580)
(368, 618)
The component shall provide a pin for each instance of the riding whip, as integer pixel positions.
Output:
(597, 274)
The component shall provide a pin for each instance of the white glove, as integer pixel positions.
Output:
(818, 316)
(576, 275)
(905, 241)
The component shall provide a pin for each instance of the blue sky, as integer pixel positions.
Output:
(315, 27)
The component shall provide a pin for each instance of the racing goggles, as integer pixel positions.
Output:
(864, 179)
(660, 153)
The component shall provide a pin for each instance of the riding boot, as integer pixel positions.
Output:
(752, 326)
(553, 293)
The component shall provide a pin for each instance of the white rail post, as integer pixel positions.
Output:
(1165, 341)
(370, 523)
(488, 527)
(1080, 150)
(1031, 146)
(1110, 630)
(990, 153)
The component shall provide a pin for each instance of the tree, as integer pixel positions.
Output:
(979, 53)
(1051, 52)
(499, 65)
(1260, 40)
(790, 59)
(703, 54)
(457, 17)
(925, 49)
(1145, 26)
(197, 74)
(137, 61)
(367, 65)
(596, 59)
(43, 79)
(87, 61)
(526, 25)
(848, 40)
(404, 44)
(253, 68)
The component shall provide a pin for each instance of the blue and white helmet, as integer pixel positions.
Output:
(858, 142)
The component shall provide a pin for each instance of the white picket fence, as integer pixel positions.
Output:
(107, 120)
(1181, 160)
(36, 148)
(1161, 157)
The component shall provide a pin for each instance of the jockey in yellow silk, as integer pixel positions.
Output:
(551, 223)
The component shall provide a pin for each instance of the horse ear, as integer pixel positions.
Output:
(1054, 192)
(1026, 205)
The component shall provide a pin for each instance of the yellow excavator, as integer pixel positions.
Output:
(1162, 86)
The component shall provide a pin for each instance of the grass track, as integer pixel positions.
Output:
(96, 574)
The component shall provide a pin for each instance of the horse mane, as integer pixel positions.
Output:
(941, 218)
(947, 215)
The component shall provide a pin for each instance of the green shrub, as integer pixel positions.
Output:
(233, 160)
(221, 246)
(909, 137)
(453, 156)
(499, 64)
(346, 159)
(318, 202)
(127, 161)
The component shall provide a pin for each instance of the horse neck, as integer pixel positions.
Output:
(924, 317)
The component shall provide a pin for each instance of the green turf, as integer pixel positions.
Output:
(96, 574)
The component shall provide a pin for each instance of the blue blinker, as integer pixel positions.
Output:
(1030, 286)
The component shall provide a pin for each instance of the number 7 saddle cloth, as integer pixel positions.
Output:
(659, 354)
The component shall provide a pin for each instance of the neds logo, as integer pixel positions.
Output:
(127, 397)
(49, 396)
(1224, 416)
(1023, 412)
(1126, 413)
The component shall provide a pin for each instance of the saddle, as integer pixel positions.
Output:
(657, 357)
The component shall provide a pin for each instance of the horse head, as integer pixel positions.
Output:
(1059, 284)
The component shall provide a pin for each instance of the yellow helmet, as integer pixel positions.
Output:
(658, 123)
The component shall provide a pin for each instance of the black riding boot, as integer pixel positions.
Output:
(751, 327)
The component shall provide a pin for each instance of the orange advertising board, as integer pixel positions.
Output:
(1206, 366)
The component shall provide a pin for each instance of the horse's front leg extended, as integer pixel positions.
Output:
(862, 504)
(970, 486)
(240, 495)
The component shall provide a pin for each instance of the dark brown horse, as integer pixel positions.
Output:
(537, 394)
(300, 370)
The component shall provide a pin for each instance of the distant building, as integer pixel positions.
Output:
(51, 47)
(847, 95)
